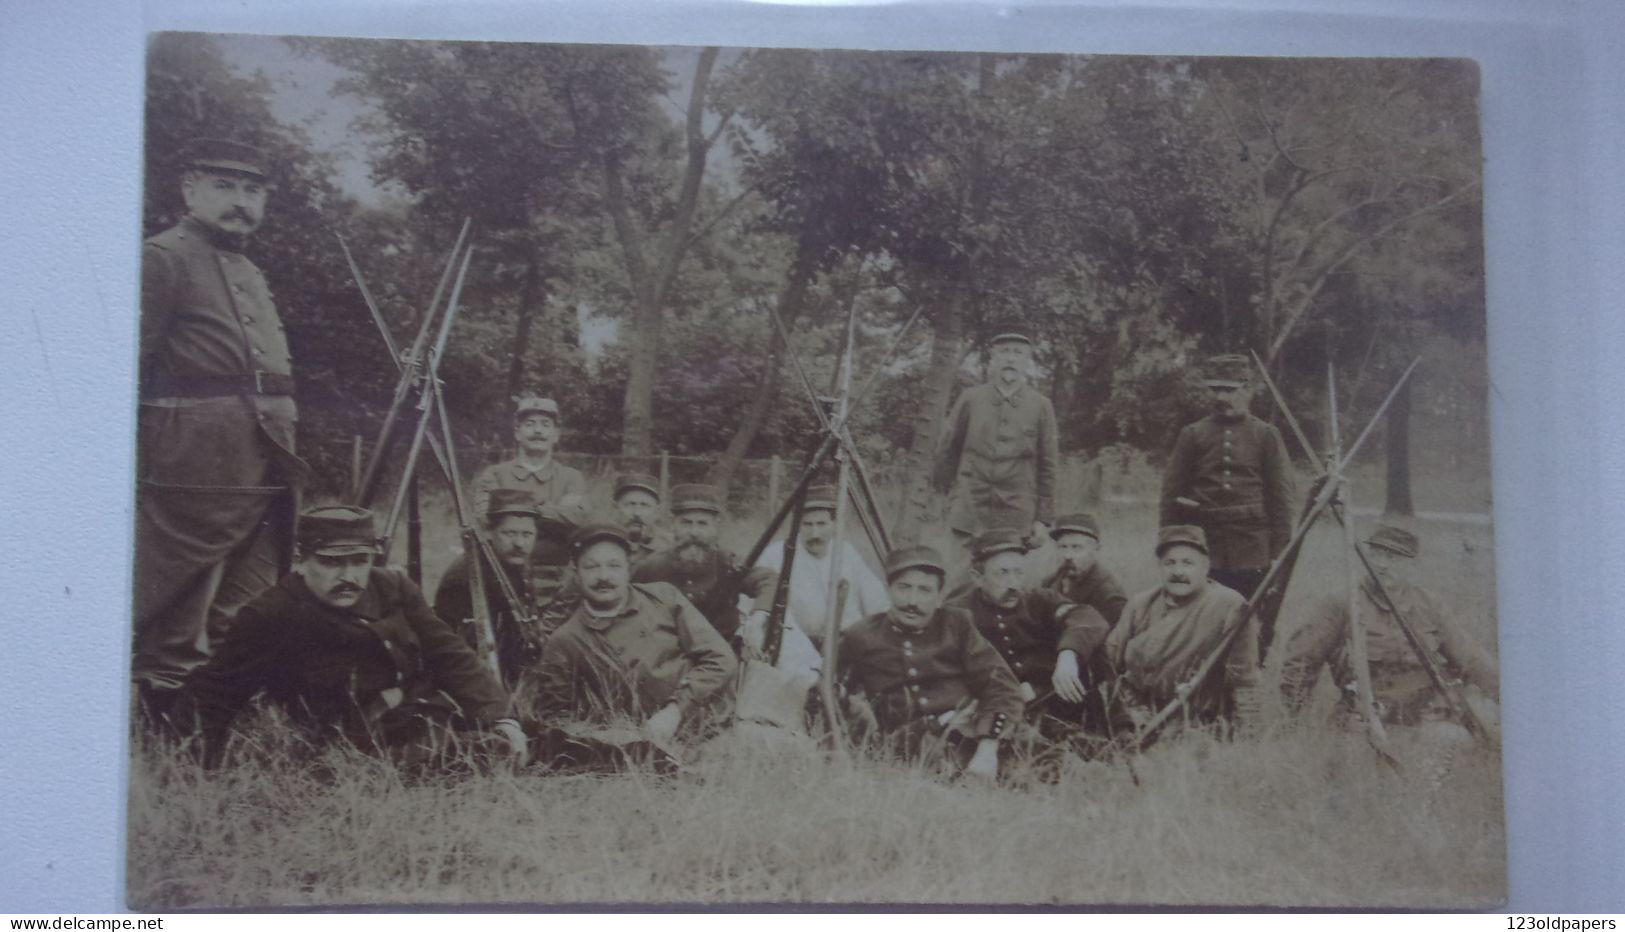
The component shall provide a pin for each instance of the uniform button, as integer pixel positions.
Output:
(388, 644)
(922, 701)
(400, 677)
(907, 644)
(1227, 485)
(913, 671)
(915, 687)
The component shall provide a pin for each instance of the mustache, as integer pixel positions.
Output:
(237, 213)
(603, 585)
(345, 589)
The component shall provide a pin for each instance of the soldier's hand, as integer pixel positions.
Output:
(984, 764)
(1028, 693)
(513, 738)
(1040, 534)
(1068, 684)
(662, 726)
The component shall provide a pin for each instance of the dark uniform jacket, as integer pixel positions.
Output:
(1094, 587)
(1400, 685)
(518, 642)
(720, 606)
(999, 457)
(344, 670)
(910, 675)
(1238, 472)
(658, 649)
(210, 461)
(1030, 634)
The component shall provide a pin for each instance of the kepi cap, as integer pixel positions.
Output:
(1394, 540)
(819, 497)
(627, 482)
(226, 155)
(337, 531)
(914, 558)
(593, 533)
(696, 497)
(535, 404)
(996, 541)
(1081, 523)
(511, 502)
(1188, 534)
(1231, 370)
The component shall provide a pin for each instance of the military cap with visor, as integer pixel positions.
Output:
(819, 497)
(903, 559)
(1394, 540)
(992, 542)
(337, 531)
(634, 481)
(593, 533)
(535, 404)
(696, 497)
(1230, 370)
(504, 502)
(1075, 524)
(1175, 534)
(225, 155)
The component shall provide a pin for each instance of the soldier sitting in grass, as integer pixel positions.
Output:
(640, 654)
(1081, 577)
(352, 651)
(1047, 640)
(1403, 691)
(512, 520)
(927, 678)
(637, 509)
(1167, 633)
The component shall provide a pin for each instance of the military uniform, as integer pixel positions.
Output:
(1159, 644)
(1095, 587)
(215, 463)
(913, 677)
(1399, 683)
(657, 649)
(382, 673)
(515, 645)
(1031, 633)
(998, 458)
(559, 491)
(700, 583)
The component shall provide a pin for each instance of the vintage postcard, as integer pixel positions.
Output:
(588, 474)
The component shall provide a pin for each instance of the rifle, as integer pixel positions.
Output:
(432, 402)
(1320, 498)
(725, 590)
(1446, 690)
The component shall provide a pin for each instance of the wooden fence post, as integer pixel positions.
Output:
(665, 475)
(355, 462)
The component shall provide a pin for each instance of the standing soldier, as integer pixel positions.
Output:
(560, 492)
(637, 505)
(999, 451)
(216, 470)
(1229, 475)
(709, 577)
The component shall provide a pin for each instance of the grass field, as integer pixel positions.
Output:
(1288, 814)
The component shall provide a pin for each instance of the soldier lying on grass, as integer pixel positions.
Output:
(639, 653)
(352, 651)
(925, 672)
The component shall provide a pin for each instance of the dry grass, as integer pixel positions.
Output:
(1289, 814)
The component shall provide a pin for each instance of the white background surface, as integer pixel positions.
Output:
(71, 74)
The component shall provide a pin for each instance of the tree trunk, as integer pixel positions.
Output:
(1397, 429)
(651, 286)
(766, 394)
(532, 292)
(919, 500)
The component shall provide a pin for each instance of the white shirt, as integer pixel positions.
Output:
(809, 588)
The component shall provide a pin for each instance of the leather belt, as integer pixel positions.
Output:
(209, 386)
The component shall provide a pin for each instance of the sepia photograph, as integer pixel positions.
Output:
(629, 476)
